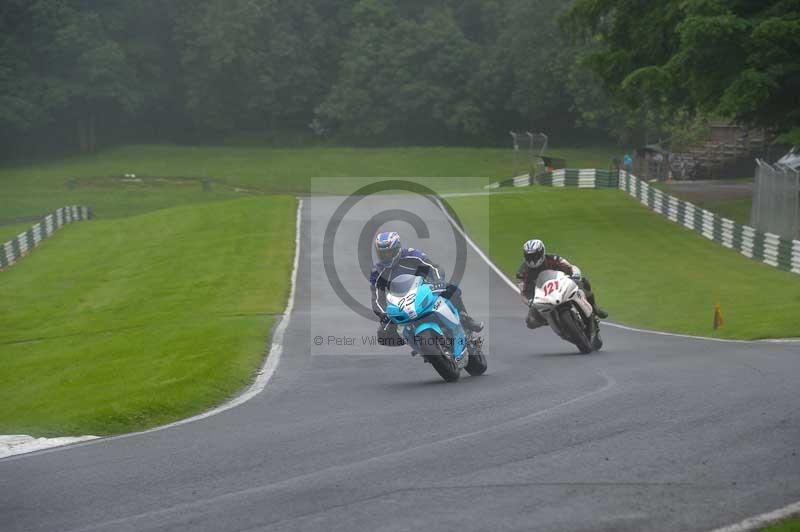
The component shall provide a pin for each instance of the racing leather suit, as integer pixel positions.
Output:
(411, 262)
(527, 284)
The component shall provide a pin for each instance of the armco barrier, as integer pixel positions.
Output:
(765, 247)
(14, 249)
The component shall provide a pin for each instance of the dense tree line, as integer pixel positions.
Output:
(78, 73)
(83, 72)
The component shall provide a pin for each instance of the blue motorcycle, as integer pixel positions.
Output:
(431, 325)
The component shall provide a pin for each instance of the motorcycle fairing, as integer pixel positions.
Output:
(414, 305)
(553, 288)
(416, 302)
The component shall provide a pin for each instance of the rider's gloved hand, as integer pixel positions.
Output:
(384, 318)
(439, 286)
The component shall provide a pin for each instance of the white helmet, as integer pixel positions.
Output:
(534, 253)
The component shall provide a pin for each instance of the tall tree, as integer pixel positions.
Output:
(251, 64)
(404, 70)
(19, 98)
(66, 67)
(467, 69)
(535, 74)
(735, 58)
(442, 71)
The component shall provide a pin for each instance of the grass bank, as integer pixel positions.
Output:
(119, 325)
(789, 525)
(737, 210)
(647, 271)
(7, 232)
(95, 179)
(724, 197)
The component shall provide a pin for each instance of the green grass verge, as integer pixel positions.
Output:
(119, 325)
(647, 271)
(789, 525)
(8, 232)
(737, 210)
(40, 188)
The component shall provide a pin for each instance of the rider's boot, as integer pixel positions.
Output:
(597, 343)
(469, 323)
(466, 320)
(587, 289)
(600, 313)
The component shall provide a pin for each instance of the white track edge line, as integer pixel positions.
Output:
(262, 377)
(763, 520)
(513, 286)
(475, 247)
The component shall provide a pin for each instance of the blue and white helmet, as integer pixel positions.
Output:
(534, 253)
(387, 248)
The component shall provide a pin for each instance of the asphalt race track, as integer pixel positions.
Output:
(652, 433)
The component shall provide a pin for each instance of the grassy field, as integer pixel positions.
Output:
(737, 210)
(96, 180)
(7, 232)
(646, 270)
(118, 325)
(789, 525)
(714, 199)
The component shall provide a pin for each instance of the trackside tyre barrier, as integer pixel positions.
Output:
(768, 248)
(13, 250)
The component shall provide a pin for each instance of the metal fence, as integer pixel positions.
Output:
(16, 248)
(530, 161)
(776, 200)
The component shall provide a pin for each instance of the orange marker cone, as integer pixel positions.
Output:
(719, 321)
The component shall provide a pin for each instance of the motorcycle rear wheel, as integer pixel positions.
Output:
(476, 365)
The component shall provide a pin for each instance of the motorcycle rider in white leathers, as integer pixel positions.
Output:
(535, 261)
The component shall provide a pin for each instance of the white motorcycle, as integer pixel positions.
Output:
(560, 301)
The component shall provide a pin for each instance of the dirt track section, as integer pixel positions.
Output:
(653, 433)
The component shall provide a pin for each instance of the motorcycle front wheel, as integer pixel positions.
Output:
(574, 330)
(434, 351)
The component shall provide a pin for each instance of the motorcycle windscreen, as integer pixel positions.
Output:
(547, 275)
(402, 284)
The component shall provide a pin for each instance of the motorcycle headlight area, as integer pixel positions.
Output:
(427, 300)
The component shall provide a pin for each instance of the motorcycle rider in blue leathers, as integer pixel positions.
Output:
(394, 260)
